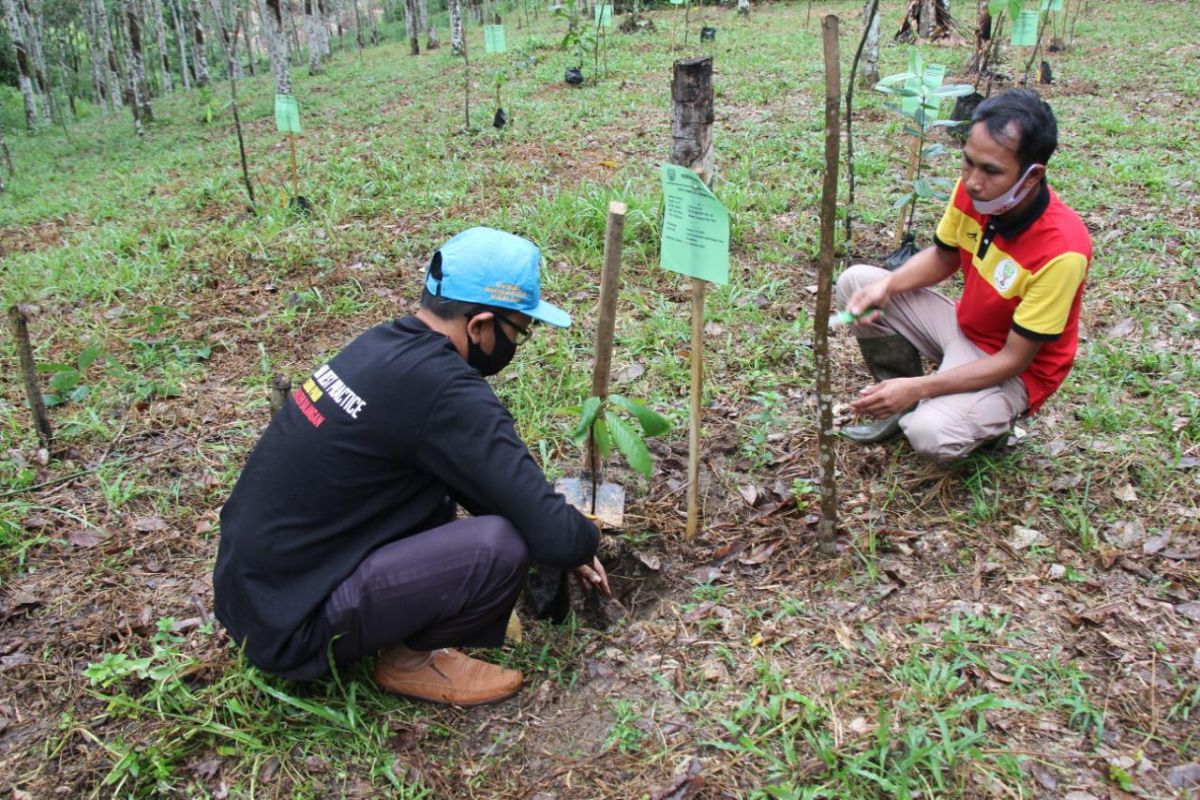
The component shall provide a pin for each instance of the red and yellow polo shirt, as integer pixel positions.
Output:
(1024, 275)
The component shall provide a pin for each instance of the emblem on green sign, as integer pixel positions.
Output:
(493, 39)
(287, 114)
(695, 232)
(1025, 29)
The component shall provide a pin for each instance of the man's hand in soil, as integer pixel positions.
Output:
(593, 575)
(890, 397)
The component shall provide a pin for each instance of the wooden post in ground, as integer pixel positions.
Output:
(827, 449)
(692, 147)
(18, 315)
(610, 285)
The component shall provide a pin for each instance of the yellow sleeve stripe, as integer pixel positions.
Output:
(1049, 293)
(947, 229)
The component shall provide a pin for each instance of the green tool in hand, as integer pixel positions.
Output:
(844, 317)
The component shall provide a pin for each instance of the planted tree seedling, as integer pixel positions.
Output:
(287, 120)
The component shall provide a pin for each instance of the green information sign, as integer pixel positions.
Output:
(1025, 29)
(678, 2)
(287, 114)
(695, 234)
(1052, 5)
(604, 16)
(493, 39)
(932, 77)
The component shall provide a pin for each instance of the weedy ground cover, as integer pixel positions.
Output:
(1023, 624)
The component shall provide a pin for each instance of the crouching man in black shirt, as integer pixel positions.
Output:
(342, 526)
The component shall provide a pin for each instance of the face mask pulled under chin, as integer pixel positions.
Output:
(503, 350)
(1010, 199)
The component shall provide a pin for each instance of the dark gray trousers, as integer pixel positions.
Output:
(450, 586)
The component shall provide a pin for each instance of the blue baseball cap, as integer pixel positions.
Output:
(494, 268)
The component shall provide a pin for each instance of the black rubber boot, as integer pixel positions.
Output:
(887, 357)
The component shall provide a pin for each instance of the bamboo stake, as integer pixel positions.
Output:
(827, 527)
(697, 388)
(18, 315)
(910, 171)
(614, 238)
(292, 148)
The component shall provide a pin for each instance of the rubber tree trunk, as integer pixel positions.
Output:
(412, 26)
(181, 40)
(313, 28)
(95, 58)
(109, 54)
(137, 63)
(198, 51)
(31, 18)
(431, 37)
(456, 27)
(743, 8)
(244, 19)
(16, 35)
(8, 170)
(869, 67)
(275, 29)
(826, 437)
(983, 35)
(160, 28)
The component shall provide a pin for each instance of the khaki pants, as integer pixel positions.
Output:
(951, 426)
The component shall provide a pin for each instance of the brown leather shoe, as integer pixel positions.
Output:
(450, 677)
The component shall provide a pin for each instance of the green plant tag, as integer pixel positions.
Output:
(604, 16)
(1052, 5)
(493, 39)
(678, 2)
(1025, 29)
(287, 114)
(695, 233)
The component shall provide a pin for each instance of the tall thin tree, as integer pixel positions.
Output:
(274, 24)
(137, 61)
(199, 56)
(313, 25)
(456, 27)
(160, 29)
(16, 35)
(181, 39)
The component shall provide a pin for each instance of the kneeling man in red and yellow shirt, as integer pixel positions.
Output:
(1010, 341)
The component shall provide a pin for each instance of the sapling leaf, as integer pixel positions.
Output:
(88, 356)
(602, 438)
(591, 408)
(953, 90)
(653, 423)
(630, 444)
(64, 380)
(904, 200)
(933, 150)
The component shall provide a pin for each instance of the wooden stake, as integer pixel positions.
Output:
(914, 155)
(292, 147)
(693, 495)
(826, 446)
(18, 315)
(692, 147)
(614, 239)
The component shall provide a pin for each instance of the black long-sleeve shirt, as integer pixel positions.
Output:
(365, 452)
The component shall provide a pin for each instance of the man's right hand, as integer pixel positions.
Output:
(873, 294)
(593, 576)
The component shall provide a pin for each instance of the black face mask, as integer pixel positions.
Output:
(503, 351)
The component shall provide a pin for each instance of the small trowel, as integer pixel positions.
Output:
(604, 502)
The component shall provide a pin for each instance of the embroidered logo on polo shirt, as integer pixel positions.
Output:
(1005, 274)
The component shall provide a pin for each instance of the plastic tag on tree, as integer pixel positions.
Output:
(695, 232)
(1025, 29)
(1052, 5)
(493, 39)
(287, 114)
(603, 15)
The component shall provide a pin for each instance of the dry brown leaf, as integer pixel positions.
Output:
(83, 538)
(150, 524)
